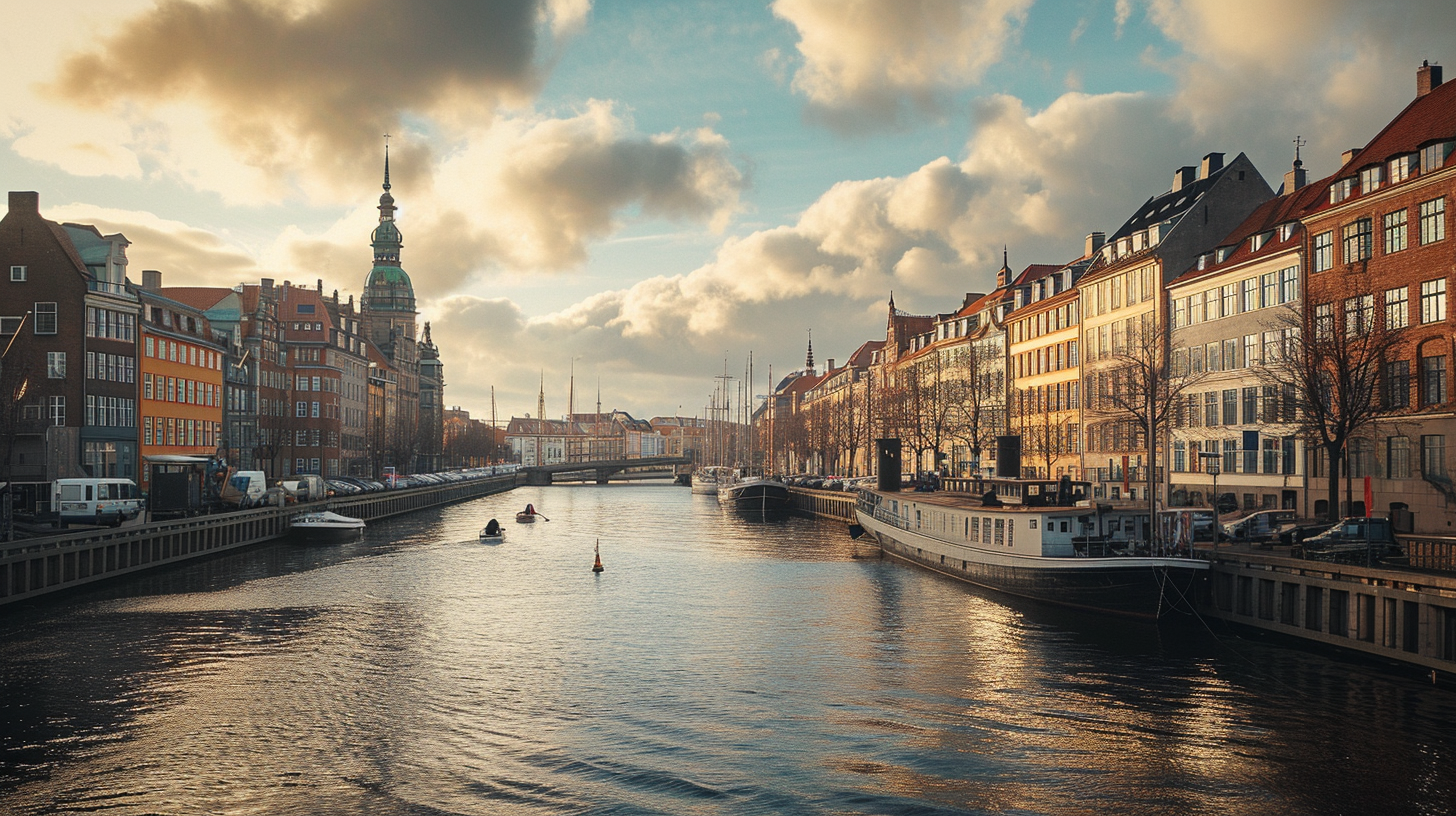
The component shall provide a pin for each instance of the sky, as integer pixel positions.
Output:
(644, 193)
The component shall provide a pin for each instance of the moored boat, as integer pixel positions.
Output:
(323, 525)
(1046, 552)
(706, 480)
(751, 492)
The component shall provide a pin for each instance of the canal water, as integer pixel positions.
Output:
(719, 665)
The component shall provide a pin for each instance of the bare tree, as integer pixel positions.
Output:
(1327, 372)
(980, 412)
(1137, 387)
(1043, 431)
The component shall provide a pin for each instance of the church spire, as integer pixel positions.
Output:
(809, 361)
(386, 201)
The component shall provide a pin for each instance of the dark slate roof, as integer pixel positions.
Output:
(1171, 204)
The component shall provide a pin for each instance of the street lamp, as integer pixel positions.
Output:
(1211, 466)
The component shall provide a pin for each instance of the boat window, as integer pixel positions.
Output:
(1000, 532)
(1010, 526)
(1064, 526)
(917, 518)
(985, 531)
(976, 528)
(1032, 524)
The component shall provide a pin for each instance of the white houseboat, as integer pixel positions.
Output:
(1034, 540)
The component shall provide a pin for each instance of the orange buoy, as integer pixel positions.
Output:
(597, 566)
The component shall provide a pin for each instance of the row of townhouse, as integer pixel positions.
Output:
(1272, 349)
(599, 437)
(103, 375)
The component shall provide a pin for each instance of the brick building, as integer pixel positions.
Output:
(1382, 259)
(181, 372)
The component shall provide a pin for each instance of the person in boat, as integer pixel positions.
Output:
(492, 527)
(530, 510)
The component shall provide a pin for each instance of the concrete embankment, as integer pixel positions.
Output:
(1399, 614)
(822, 503)
(34, 567)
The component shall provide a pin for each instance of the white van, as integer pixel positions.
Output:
(245, 488)
(95, 501)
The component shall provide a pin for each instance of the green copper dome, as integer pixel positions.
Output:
(387, 288)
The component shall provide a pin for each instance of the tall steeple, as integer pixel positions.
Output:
(388, 302)
(809, 361)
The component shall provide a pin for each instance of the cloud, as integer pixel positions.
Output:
(531, 193)
(186, 255)
(1034, 180)
(870, 63)
(1333, 71)
(305, 91)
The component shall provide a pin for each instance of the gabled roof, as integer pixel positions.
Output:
(1426, 119)
(862, 355)
(1035, 272)
(1265, 218)
(1169, 205)
(198, 297)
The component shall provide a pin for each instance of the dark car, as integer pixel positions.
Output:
(1355, 540)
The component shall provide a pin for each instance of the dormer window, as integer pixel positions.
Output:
(1371, 177)
(1202, 262)
(1286, 231)
(1341, 190)
(1221, 254)
(1401, 167)
(1433, 157)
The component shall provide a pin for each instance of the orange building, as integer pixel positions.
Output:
(181, 380)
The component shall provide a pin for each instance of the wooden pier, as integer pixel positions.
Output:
(34, 567)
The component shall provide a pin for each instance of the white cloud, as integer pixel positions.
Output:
(867, 62)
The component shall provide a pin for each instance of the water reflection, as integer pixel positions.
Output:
(720, 665)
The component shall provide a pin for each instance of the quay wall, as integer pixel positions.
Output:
(1404, 615)
(822, 503)
(31, 568)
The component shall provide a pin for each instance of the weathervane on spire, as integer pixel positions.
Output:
(386, 161)
(1298, 143)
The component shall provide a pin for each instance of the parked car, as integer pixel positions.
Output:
(1355, 540)
(1263, 525)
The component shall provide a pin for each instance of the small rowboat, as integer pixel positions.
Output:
(526, 518)
(326, 526)
(491, 533)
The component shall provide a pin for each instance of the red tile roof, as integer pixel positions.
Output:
(201, 298)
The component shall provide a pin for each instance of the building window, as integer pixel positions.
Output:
(1433, 157)
(1433, 455)
(45, 318)
(1433, 221)
(1359, 315)
(1400, 168)
(56, 410)
(1230, 297)
(1357, 241)
(315, 410)
(1395, 234)
(1324, 252)
(1341, 190)
(1210, 409)
(1397, 384)
(1370, 178)
(1397, 308)
(1289, 285)
(1249, 293)
(1230, 411)
(1324, 321)
(1397, 457)
(17, 273)
(301, 409)
(1361, 453)
(1433, 380)
(56, 365)
(1433, 300)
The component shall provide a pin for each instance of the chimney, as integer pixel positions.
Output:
(1295, 178)
(1183, 177)
(266, 284)
(1349, 156)
(972, 297)
(831, 366)
(1095, 240)
(24, 202)
(1428, 76)
(1212, 163)
(151, 280)
(320, 286)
